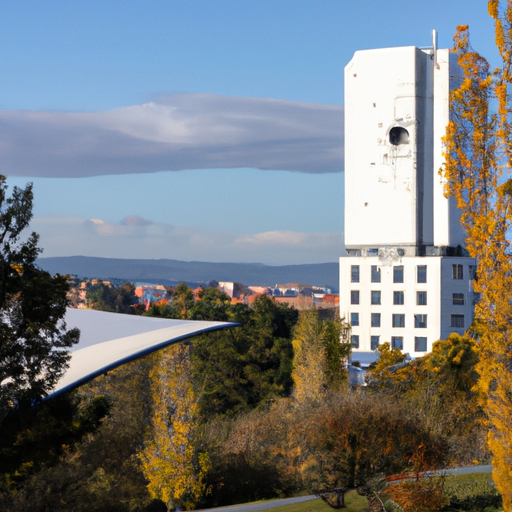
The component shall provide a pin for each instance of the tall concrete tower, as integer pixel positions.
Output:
(405, 278)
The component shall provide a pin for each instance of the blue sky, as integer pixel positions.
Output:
(206, 130)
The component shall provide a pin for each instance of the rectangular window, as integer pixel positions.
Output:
(421, 298)
(354, 339)
(420, 344)
(375, 297)
(457, 321)
(374, 342)
(471, 271)
(354, 273)
(398, 298)
(420, 321)
(375, 274)
(354, 297)
(458, 299)
(397, 342)
(398, 320)
(458, 271)
(398, 274)
(375, 319)
(354, 319)
(421, 273)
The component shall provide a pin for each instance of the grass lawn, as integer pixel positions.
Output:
(468, 485)
(354, 502)
(477, 488)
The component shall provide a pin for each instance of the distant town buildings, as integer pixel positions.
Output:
(151, 294)
(298, 296)
(405, 277)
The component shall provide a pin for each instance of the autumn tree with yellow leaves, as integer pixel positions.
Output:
(171, 462)
(320, 351)
(477, 173)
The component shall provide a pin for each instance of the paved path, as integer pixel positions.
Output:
(264, 505)
(468, 471)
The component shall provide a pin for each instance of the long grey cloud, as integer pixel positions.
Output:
(183, 131)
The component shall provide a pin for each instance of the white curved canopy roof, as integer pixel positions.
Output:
(108, 340)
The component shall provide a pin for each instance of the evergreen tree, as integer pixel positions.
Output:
(245, 367)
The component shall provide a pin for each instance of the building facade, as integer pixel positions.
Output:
(405, 278)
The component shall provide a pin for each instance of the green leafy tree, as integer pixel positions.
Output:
(104, 297)
(34, 341)
(337, 346)
(213, 304)
(125, 300)
(182, 300)
(59, 469)
(268, 360)
(35, 437)
(101, 296)
(242, 368)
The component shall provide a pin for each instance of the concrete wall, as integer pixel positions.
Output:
(393, 191)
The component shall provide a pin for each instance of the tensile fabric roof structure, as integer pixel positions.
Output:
(109, 340)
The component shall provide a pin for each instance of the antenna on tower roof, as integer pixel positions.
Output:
(434, 44)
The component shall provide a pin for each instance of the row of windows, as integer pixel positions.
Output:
(398, 273)
(420, 342)
(398, 320)
(398, 298)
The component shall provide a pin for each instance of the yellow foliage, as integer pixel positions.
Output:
(308, 358)
(17, 268)
(477, 172)
(492, 7)
(170, 460)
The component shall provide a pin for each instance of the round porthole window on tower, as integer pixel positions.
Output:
(398, 135)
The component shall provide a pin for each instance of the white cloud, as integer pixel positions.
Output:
(135, 220)
(183, 131)
(71, 236)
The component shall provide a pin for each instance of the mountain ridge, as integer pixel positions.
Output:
(168, 270)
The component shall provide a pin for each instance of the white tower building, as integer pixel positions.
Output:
(405, 278)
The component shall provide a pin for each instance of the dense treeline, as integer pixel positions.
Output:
(259, 411)
(120, 299)
(90, 448)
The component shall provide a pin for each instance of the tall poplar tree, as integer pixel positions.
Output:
(477, 173)
(171, 462)
(320, 352)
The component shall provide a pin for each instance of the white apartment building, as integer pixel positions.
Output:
(405, 278)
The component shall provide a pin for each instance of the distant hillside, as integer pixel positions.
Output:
(171, 271)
